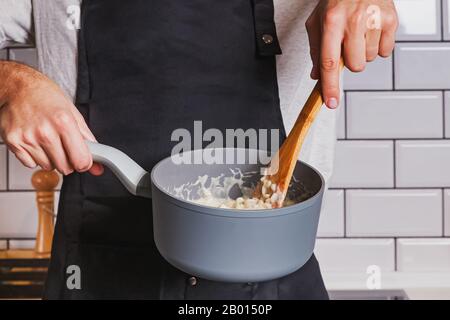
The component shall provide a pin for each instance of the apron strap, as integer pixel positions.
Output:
(265, 30)
(83, 92)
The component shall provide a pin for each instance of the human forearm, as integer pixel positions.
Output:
(11, 73)
(39, 124)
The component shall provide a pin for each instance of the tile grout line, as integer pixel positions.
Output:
(371, 237)
(388, 188)
(7, 170)
(442, 19)
(395, 254)
(418, 90)
(397, 139)
(443, 211)
(444, 133)
(429, 41)
(394, 172)
(393, 70)
(345, 213)
(345, 115)
(17, 238)
(22, 191)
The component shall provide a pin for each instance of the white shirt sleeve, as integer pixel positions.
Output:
(16, 22)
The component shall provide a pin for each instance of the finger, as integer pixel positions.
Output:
(76, 148)
(57, 156)
(387, 43)
(389, 24)
(373, 38)
(14, 142)
(40, 157)
(314, 35)
(96, 169)
(83, 127)
(25, 158)
(330, 52)
(355, 48)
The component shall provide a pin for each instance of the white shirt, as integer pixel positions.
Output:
(50, 25)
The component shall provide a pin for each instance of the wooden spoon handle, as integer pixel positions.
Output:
(284, 164)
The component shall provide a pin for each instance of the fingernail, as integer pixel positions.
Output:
(332, 103)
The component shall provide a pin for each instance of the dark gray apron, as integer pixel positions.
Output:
(146, 68)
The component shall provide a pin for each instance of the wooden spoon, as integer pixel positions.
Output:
(283, 163)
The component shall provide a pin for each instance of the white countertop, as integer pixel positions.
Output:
(418, 286)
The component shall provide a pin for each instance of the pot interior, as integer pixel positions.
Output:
(180, 179)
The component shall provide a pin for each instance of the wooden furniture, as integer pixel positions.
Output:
(45, 183)
(23, 272)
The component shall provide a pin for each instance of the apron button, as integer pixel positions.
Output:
(267, 38)
(192, 281)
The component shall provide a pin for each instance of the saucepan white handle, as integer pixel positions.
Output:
(132, 175)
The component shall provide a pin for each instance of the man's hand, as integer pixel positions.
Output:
(40, 125)
(361, 29)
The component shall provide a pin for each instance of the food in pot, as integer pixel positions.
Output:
(220, 192)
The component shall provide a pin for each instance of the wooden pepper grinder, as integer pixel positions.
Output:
(45, 183)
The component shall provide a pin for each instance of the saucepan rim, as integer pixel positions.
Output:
(236, 213)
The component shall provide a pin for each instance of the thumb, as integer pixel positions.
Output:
(84, 129)
(96, 168)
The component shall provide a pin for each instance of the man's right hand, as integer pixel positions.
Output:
(40, 125)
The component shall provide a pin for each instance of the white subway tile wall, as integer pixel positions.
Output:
(422, 65)
(19, 176)
(394, 213)
(18, 215)
(341, 120)
(446, 25)
(423, 163)
(447, 115)
(447, 213)
(376, 76)
(3, 168)
(392, 174)
(332, 215)
(21, 244)
(393, 158)
(377, 115)
(355, 254)
(363, 164)
(419, 19)
(414, 255)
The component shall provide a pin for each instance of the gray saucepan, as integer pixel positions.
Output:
(218, 244)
